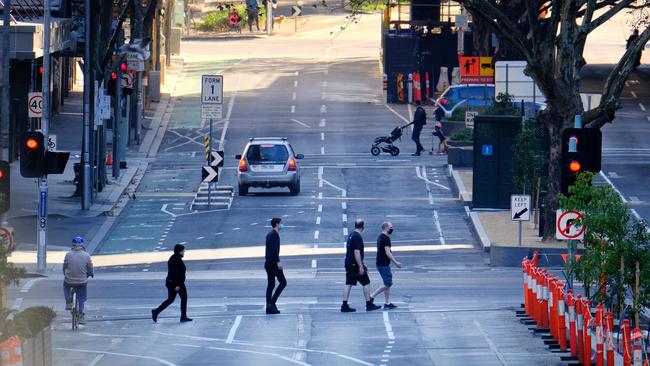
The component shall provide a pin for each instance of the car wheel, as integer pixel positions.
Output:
(394, 151)
(243, 189)
(375, 151)
(295, 189)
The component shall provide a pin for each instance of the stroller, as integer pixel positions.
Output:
(385, 143)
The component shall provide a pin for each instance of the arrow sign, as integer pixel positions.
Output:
(296, 10)
(216, 158)
(569, 225)
(209, 174)
(518, 214)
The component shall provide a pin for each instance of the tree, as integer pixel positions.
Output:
(550, 36)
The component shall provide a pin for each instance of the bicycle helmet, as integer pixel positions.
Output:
(77, 241)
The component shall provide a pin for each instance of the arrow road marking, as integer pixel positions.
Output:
(300, 123)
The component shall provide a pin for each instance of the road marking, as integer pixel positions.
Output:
(231, 104)
(396, 113)
(297, 73)
(293, 109)
(490, 343)
(293, 96)
(389, 327)
(634, 199)
(320, 195)
(96, 360)
(343, 191)
(322, 136)
(318, 220)
(344, 217)
(613, 175)
(29, 284)
(299, 122)
(17, 303)
(322, 123)
(253, 223)
(418, 173)
(233, 329)
(401, 216)
(345, 231)
(437, 222)
(344, 205)
(320, 208)
(613, 186)
(322, 150)
(313, 263)
(164, 209)
(295, 84)
(633, 95)
(323, 108)
(316, 234)
(642, 107)
(323, 95)
(159, 360)
(648, 118)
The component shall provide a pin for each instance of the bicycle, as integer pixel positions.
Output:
(76, 314)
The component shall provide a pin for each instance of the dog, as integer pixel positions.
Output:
(277, 21)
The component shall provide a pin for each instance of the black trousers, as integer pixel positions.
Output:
(171, 296)
(272, 272)
(416, 138)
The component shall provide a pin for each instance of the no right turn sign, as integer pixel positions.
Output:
(569, 226)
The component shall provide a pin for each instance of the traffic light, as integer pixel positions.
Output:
(585, 156)
(32, 155)
(5, 184)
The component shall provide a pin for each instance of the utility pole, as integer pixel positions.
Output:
(6, 59)
(138, 80)
(117, 122)
(269, 17)
(41, 263)
(85, 148)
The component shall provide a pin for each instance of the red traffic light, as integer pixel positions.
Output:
(113, 75)
(574, 166)
(40, 69)
(31, 144)
(123, 66)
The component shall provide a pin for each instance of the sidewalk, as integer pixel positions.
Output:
(498, 234)
(66, 218)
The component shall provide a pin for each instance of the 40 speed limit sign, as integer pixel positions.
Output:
(35, 105)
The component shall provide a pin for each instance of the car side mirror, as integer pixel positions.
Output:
(300, 156)
(238, 156)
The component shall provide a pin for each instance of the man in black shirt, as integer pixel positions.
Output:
(355, 270)
(175, 284)
(419, 120)
(384, 257)
(273, 267)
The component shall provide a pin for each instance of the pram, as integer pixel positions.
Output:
(385, 143)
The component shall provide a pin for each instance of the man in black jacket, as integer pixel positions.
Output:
(273, 267)
(175, 284)
(419, 120)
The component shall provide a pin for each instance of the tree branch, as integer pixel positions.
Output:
(589, 12)
(533, 22)
(613, 88)
(588, 28)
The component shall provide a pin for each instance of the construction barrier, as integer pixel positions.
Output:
(569, 319)
(400, 87)
(409, 88)
(417, 87)
(11, 352)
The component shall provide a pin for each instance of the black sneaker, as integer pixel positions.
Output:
(389, 306)
(186, 319)
(347, 309)
(371, 307)
(372, 299)
(154, 316)
(272, 310)
(415, 154)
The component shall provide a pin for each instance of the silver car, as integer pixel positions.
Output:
(268, 162)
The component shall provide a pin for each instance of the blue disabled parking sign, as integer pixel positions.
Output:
(486, 150)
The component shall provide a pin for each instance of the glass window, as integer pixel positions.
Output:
(261, 154)
(477, 92)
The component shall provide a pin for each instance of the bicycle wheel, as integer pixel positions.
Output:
(75, 311)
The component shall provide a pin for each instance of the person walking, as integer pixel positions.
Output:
(175, 283)
(355, 270)
(77, 268)
(384, 257)
(628, 44)
(253, 14)
(437, 131)
(273, 267)
(419, 120)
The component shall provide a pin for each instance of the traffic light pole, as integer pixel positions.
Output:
(41, 255)
(85, 148)
(572, 244)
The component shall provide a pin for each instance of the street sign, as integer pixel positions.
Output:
(476, 70)
(568, 225)
(51, 142)
(35, 104)
(104, 107)
(127, 80)
(462, 22)
(211, 111)
(135, 61)
(296, 10)
(216, 158)
(469, 118)
(209, 174)
(212, 89)
(520, 207)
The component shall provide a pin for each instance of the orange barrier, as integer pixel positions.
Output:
(627, 343)
(573, 345)
(609, 338)
(580, 328)
(587, 323)
(637, 347)
(600, 339)
(417, 87)
(11, 352)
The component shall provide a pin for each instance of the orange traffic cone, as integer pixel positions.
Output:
(109, 158)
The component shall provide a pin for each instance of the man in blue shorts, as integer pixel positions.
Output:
(384, 257)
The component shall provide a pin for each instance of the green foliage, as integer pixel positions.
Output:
(458, 114)
(466, 134)
(503, 106)
(530, 157)
(218, 21)
(27, 323)
(9, 274)
(612, 236)
(367, 5)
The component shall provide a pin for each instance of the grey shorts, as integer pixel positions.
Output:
(386, 275)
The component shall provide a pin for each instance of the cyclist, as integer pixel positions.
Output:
(77, 267)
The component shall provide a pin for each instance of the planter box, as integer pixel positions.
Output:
(460, 156)
(37, 351)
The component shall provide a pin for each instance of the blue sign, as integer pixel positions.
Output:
(486, 150)
(43, 205)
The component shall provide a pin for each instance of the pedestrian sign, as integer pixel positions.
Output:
(486, 150)
(476, 70)
(569, 225)
(520, 207)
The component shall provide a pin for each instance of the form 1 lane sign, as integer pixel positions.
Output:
(212, 89)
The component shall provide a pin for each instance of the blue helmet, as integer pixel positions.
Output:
(77, 241)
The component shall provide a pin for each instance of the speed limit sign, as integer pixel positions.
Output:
(35, 105)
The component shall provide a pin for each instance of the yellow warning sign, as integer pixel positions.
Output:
(486, 68)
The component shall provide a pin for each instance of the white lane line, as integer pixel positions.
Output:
(323, 108)
(29, 284)
(613, 175)
(345, 231)
(344, 205)
(437, 222)
(613, 186)
(313, 263)
(293, 109)
(323, 122)
(164, 209)
(320, 195)
(343, 191)
(316, 234)
(253, 223)
(233, 329)
(159, 360)
(295, 84)
(293, 96)
(234, 229)
(318, 220)
(297, 73)
(320, 184)
(322, 150)
(344, 217)
(633, 95)
(634, 199)
(636, 214)
(323, 95)
(320, 208)
(389, 327)
(320, 172)
(490, 343)
(96, 360)
(17, 303)
(648, 118)
(299, 122)
(322, 136)
(231, 104)
(642, 107)
(396, 113)
(418, 173)
(260, 353)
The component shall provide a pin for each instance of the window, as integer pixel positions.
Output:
(267, 154)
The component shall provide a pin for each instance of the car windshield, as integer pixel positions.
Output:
(265, 154)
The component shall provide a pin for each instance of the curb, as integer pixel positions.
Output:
(463, 195)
